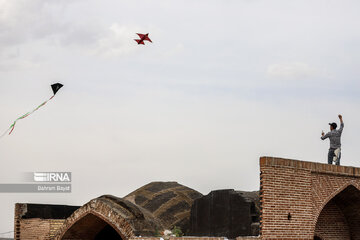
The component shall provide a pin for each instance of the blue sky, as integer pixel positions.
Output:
(223, 83)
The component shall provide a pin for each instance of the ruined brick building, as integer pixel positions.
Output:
(144, 212)
(297, 200)
(226, 213)
(39, 221)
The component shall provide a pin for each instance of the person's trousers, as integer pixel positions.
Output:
(331, 156)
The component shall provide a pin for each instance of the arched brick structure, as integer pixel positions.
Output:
(108, 216)
(340, 217)
(307, 200)
(92, 226)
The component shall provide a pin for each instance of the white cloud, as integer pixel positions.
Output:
(117, 40)
(23, 20)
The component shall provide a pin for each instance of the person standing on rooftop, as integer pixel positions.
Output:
(334, 135)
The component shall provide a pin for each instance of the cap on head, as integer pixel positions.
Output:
(334, 125)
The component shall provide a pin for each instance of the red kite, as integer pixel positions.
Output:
(142, 37)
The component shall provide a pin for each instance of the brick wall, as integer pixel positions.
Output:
(34, 228)
(41, 229)
(300, 198)
(28, 226)
(286, 202)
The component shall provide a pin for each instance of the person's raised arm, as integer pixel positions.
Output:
(341, 123)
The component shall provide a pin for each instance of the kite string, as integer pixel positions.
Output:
(11, 128)
(5, 132)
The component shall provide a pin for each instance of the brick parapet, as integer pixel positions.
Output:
(310, 166)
